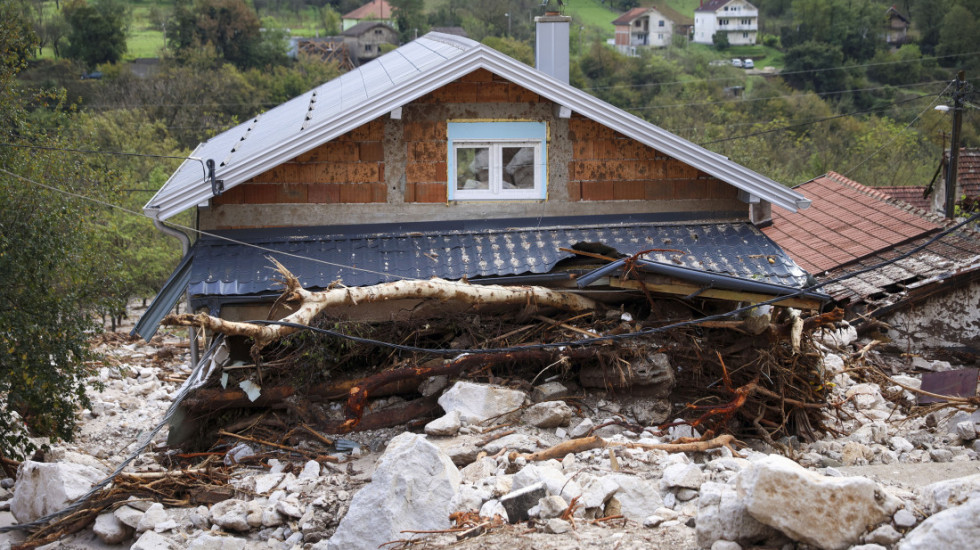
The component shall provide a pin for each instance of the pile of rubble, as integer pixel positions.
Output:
(492, 470)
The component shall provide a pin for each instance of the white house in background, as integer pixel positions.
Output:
(737, 18)
(652, 26)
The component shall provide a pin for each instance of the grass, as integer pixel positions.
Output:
(594, 14)
(144, 43)
(684, 7)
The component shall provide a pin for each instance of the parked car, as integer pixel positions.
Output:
(95, 75)
(737, 63)
(748, 64)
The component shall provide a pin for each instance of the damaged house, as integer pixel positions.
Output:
(930, 295)
(447, 159)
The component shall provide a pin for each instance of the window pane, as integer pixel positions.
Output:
(518, 167)
(472, 168)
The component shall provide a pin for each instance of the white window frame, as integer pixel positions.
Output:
(463, 135)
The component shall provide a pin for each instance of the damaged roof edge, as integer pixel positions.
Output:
(175, 197)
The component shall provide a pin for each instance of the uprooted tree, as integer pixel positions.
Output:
(764, 381)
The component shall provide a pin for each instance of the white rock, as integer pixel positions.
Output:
(150, 540)
(638, 497)
(557, 526)
(955, 527)
(826, 512)
(110, 530)
(311, 470)
(481, 469)
(447, 425)
(837, 338)
(551, 507)
(43, 488)
(941, 495)
(722, 516)
(900, 444)
(272, 518)
(725, 545)
(469, 498)
(433, 385)
(903, 518)
(290, 507)
(231, 514)
(207, 541)
(548, 414)
(411, 488)
(514, 442)
(493, 508)
(582, 428)
(548, 392)
(686, 476)
(128, 515)
(596, 491)
(833, 364)
(154, 514)
(549, 473)
(477, 402)
(885, 535)
(966, 430)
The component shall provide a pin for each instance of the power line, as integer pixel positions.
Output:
(815, 121)
(96, 152)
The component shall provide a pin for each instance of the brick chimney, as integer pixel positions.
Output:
(551, 45)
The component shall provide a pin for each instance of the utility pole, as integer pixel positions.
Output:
(954, 145)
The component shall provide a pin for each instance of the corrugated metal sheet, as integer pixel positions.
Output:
(165, 300)
(397, 78)
(368, 255)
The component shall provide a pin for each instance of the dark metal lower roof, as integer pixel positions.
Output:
(366, 255)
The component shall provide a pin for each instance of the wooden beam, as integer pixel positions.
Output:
(686, 289)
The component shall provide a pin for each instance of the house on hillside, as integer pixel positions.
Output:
(896, 27)
(932, 293)
(652, 27)
(365, 40)
(446, 158)
(738, 19)
(375, 11)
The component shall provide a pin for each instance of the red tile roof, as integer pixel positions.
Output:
(375, 9)
(909, 194)
(629, 16)
(968, 172)
(846, 222)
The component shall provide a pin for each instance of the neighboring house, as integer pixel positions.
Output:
(896, 27)
(374, 11)
(330, 49)
(932, 294)
(364, 40)
(446, 158)
(736, 18)
(649, 27)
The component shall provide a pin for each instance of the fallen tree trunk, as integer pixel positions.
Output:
(313, 303)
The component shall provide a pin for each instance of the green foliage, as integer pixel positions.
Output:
(51, 281)
(958, 35)
(852, 27)
(720, 40)
(410, 18)
(815, 66)
(520, 51)
(230, 27)
(96, 32)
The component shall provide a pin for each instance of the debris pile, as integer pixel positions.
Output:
(699, 437)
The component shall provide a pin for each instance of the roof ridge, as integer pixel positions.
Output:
(887, 199)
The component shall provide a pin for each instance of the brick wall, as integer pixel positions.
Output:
(348, 169)
(606, 165)
(480, 86)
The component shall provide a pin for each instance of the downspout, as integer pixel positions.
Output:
(185, 247)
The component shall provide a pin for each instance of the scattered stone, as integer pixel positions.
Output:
(966, 430)
(885, 535)
(493, 508)
(725, 545)
(638, 497)
(110, 530)
(128, 515)
(43, 488)
(686, 476)
(826, 512)
(433, 385)
(551, 507)
(557, 526)
(581, 429)
(904, 519)
(150, 540)
(477, 402)
(445, 426)
(154, 515)
(549, 391)
(207, 541)
(955, 527)
(311, 470)
(231, 514)
(411, 489)
(548, 414)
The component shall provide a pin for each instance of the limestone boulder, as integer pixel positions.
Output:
(412, 488)
(549, 414)
(477, 402)
(722, 516)
(955, 527)
(941, 495)
(826, 512)
(43, 488)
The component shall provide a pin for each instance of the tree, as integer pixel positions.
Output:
(50, 282)
(231, 27)
(815, 66)
(958, 35)
(96, 32)
(720, 40)
(409, 18)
